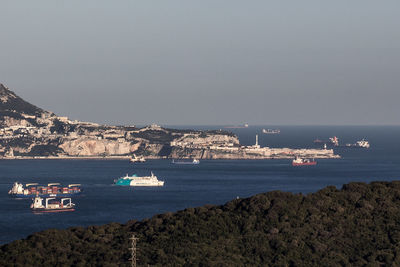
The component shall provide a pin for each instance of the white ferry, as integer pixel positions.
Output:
(135, 180)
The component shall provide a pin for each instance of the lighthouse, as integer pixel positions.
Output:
(256, 145)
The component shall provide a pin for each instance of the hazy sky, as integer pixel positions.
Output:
(205, 62)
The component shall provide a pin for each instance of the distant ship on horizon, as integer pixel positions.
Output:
(237, 126)
(271, 131)
(334, 141)
(362, 144)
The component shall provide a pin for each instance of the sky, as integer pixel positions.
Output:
(208, 62)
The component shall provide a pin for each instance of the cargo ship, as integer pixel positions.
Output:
(271, 131)
(135, 180)
(51, 190)
(303, 162)
(51, 205)
(361, 144)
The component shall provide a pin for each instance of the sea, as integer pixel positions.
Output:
(210, 182)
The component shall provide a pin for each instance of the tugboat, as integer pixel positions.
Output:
(51, 205)
(303, 162)
(135, 180)
(51, 190)
(193, 162)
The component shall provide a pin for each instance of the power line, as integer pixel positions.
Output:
(133, 250)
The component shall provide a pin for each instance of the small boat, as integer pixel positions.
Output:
(135, 180)
(51, 190)
(193, 162)
(271, 131)
(137, 159)
(52, 205)
(303, 162)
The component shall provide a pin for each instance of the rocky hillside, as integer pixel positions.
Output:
(358, 225)
(10, 102)
(16, 111)
(28, 131)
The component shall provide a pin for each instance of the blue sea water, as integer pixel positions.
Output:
(210, 182)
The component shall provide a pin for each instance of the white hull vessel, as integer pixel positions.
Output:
(135, 180)
(271, 131)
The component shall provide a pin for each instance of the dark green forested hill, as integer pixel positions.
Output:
(358, 225)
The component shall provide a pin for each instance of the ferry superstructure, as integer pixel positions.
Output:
(135, 180)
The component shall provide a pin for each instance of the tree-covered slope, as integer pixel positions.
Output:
(358, 225)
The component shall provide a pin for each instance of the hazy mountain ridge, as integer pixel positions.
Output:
(358, 225)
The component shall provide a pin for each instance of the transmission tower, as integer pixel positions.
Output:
(133, 250)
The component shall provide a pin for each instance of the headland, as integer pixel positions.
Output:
(29, 132)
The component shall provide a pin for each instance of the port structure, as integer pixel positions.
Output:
(133, 250)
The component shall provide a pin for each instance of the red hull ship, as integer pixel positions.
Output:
(303, 162)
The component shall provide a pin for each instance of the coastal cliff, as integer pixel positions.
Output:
(27, 131)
